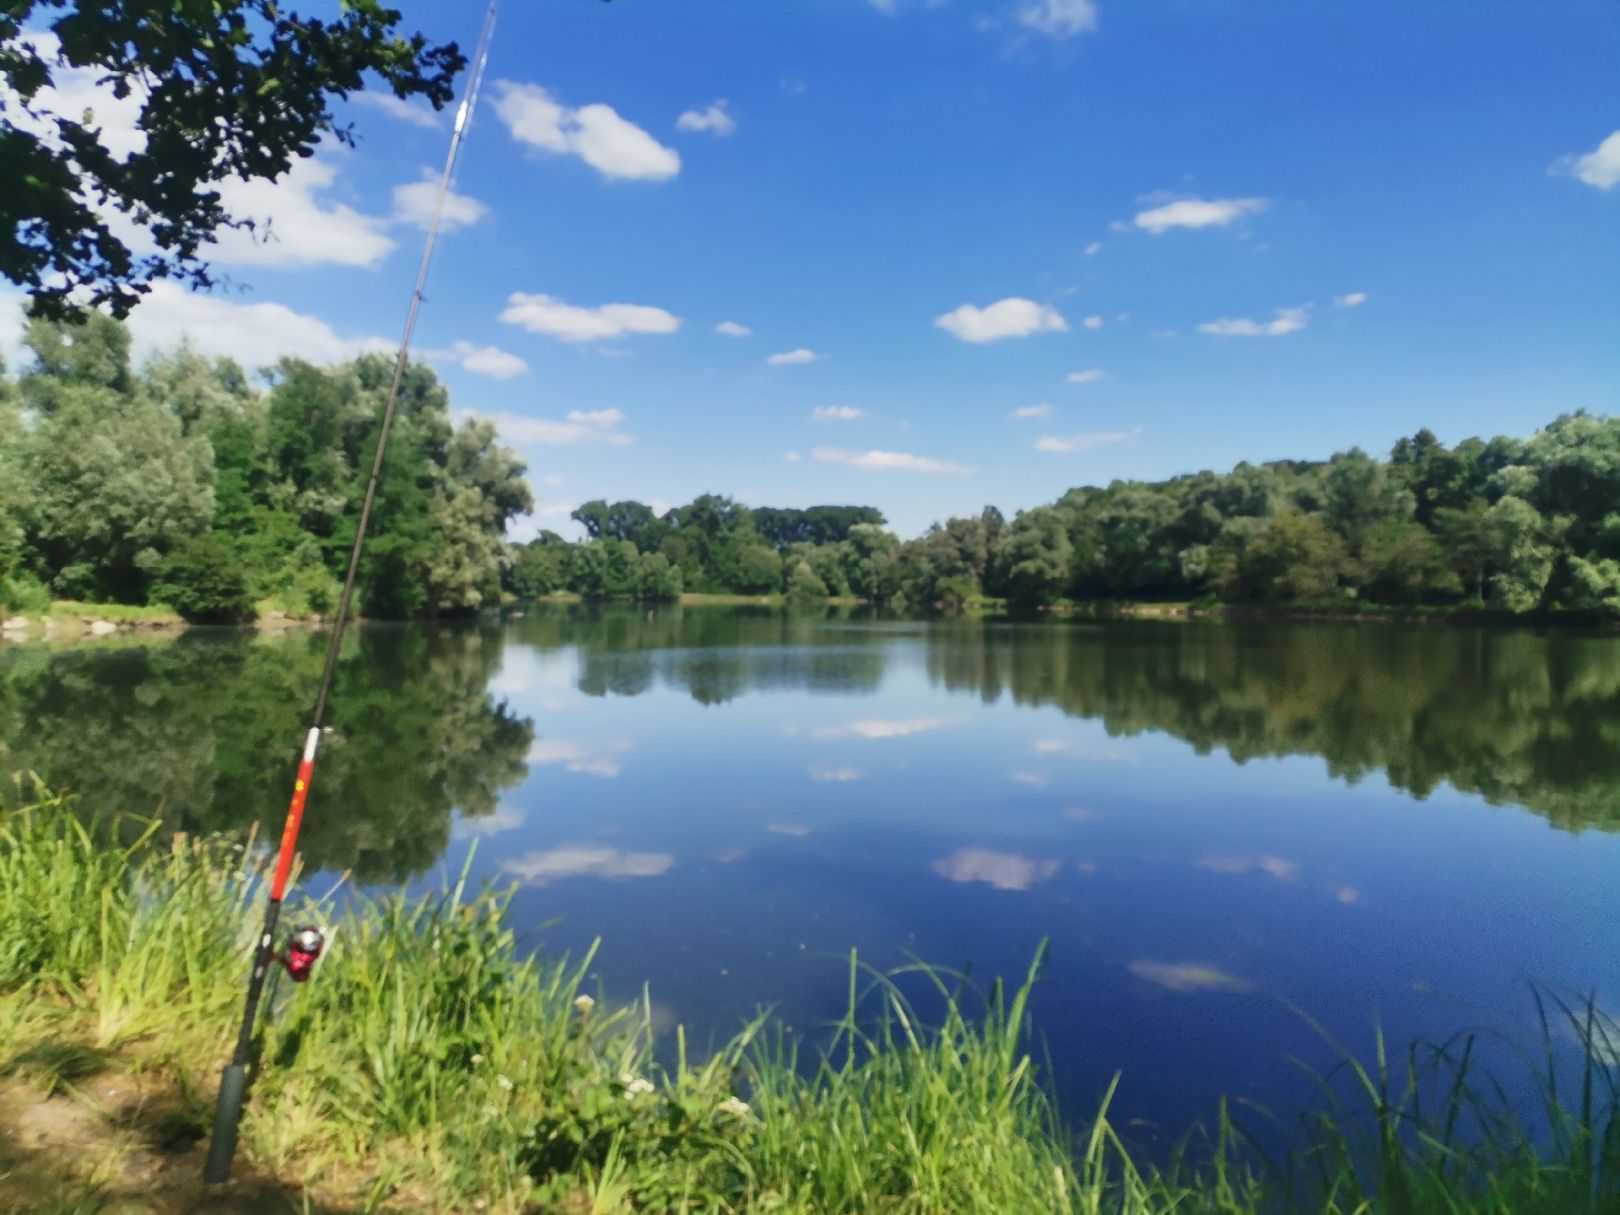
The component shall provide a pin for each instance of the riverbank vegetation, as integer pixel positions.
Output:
(430, 1065)
(1511, 525)
(187, 484)
(184, 484)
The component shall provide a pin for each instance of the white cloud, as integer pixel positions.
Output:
(883, 461)
(795, 830)
(416, 113)
(836, 413)
(1003, 870)
(1036, 780)
(1185, 977)
(1070, 444)
(1198, 213)
(1599, 167)
(255, 334)
(1092, 322)
(1287, 320)
(835, 775)
(1012, 317)
(1353, 300)
(492, 361)
(712, 118)
(877, 728)
(1058, 18)
(1094, 248)
(579, 427)
(586, 860)
(297, 226)
(552, 317)
(613, 146)
(792, 457)
(732, 329)
(591, 758)
(791, 358)
(1025, 412)
(413, 204)
(1089, 376)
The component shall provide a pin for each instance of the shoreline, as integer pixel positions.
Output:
(431, 1064)
(72, 621)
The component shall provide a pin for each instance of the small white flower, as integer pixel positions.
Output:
(637, 1087)
(476, 1060)
(735, 1106)
(505, 1084)
(584, 1004)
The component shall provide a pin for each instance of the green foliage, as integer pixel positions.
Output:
(118, 473)
(203, 581)
(227, 89)
(24, 594)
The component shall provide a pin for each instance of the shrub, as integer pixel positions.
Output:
(203, 579)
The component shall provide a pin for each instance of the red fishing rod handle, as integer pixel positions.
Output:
(295, 815)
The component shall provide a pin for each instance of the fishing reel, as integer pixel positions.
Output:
(303, 950)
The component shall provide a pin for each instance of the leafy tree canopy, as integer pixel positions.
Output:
(225, 89)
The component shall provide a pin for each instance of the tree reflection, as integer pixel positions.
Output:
(204, 729)
(713, 655)
(1514, 716)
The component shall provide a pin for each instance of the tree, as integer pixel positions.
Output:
(1293, 556)
(1523, 548)
(207, 93)
(1401, 563)
(1032, 558)
(204, 581)
(113, 487)
(657, 581)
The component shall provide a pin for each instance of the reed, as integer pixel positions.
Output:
(433, 1065)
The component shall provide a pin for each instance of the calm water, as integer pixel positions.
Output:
(1205, 820)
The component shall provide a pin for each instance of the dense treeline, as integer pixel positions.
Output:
(1515, 524)
(185, 484)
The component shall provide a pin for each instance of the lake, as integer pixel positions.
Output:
(1216, 826)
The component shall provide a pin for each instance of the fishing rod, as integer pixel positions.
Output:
(306, 942)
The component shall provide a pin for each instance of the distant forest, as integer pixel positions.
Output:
(1519, 525)
(188, 484)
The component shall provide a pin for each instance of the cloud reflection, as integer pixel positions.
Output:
(1186, 977)
(874, 728)
(594, 758)
(1037, 779)
(1076, 749)
(1003, 870)
(1281, 868)
(835, 774)
(586, 860)
(503, 818)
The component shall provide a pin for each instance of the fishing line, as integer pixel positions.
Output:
(304, 948)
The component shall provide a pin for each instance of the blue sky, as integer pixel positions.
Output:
(1215, 185)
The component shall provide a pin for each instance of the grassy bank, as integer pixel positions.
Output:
(431, 1066)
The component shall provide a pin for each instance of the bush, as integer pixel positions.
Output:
(203, 579)
(25, 594)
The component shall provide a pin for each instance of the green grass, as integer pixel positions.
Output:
(431, 1065)
(118, 613)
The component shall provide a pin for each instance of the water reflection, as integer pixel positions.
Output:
(203, 729)
(1517, 717)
